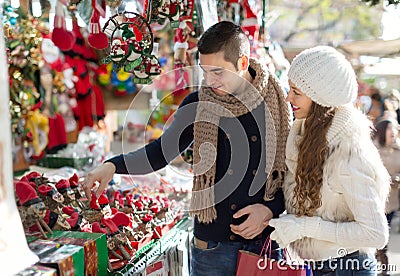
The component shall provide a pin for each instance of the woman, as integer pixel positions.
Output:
(336, 186)
(385, 138)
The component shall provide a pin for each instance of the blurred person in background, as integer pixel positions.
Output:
(376, 110)
(387, 143)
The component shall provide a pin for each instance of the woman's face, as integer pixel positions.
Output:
(301, 103)
(391, 133)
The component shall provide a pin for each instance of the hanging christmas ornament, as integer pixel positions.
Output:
(61, 37)
(132, 46)
(174, 10)
(96, 38)
(250, 24)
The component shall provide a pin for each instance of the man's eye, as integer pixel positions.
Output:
(219, 73)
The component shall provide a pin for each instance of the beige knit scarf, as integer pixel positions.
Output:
(266, 89)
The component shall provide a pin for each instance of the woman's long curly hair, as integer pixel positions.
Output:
(313, 151)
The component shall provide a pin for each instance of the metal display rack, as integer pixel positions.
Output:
(151, 253)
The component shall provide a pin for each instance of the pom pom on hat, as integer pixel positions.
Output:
(25, 193)
(324, 75)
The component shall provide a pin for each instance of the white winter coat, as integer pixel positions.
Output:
(354, 191)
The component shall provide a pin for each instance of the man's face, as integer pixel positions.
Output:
(221, 75)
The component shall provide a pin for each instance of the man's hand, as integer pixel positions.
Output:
(257, 220)
(103, 174)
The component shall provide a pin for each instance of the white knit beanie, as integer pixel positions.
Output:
(324, 75)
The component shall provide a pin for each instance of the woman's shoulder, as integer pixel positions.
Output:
(349, 126)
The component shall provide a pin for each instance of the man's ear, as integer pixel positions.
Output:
(243, 62)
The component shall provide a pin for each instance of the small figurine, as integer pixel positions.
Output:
(32, 208)
(64, 188)
(51, 198)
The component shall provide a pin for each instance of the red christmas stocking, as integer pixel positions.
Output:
(61, 37)
(96, 38)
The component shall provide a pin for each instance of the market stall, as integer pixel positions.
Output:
(88, 79)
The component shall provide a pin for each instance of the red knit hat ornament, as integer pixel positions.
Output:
(63, 186)
(96, 228)
(69, 210)
(121, 218)
(74, 180)
(26, 193)
(110, 224)
(74, 220)
(93, 202)
(103, 200)
(61, 37)
(96, 38)
(46, 190)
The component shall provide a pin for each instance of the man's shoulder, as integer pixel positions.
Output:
(191, 98)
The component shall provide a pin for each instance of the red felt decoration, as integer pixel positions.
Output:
(63, 185)
(96, 228)
(110, 224)
(121, 218)
(93, 202)
(61, 37)
(73, 180)
(103, 199)
(44, 189)
(73, 219)
(96, 38)
(57, 134)
(69, 210)
(25, 192)
(32, 175)
(250, 24)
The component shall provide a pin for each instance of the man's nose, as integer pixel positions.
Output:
(210, 80)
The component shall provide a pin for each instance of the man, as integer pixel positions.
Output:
(238, 123)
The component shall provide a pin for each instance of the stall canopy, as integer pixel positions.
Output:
(377, 48)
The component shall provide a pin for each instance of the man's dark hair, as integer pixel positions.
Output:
(225, 36)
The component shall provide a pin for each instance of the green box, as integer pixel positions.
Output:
(90, 250)
(54, 161)
(38, 270)
(68, 260)
(101, 245)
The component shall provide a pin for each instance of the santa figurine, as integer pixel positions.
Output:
(64, 188)
(51, 197)
(32, 209)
